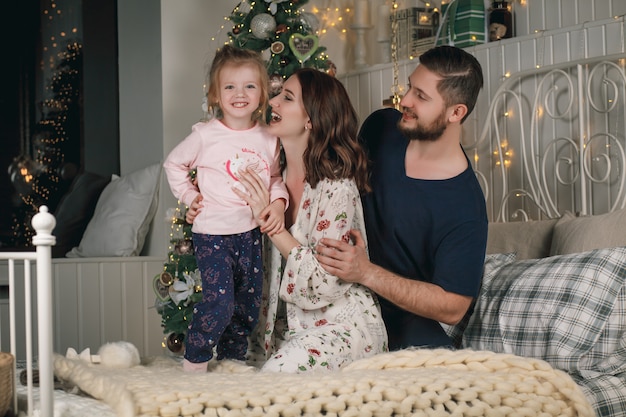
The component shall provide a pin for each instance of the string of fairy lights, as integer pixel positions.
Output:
(396, 89)
(334, 15)
(176, 230)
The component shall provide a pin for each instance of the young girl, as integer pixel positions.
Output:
(226, 237)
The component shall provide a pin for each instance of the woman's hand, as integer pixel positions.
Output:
(258, 198)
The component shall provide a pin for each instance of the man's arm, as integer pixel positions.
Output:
(351, 263)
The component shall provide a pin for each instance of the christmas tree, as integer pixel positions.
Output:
(44, 176)
(282, 29)
(179, 286)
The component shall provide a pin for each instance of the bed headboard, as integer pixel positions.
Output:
(554, 141)
(547, 133)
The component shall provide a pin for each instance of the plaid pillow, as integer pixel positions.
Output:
(568, 310)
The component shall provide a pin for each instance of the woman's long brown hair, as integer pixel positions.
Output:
(333, 150)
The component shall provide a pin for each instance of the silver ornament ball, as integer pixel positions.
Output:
(263, 25)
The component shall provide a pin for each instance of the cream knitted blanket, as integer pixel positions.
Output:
(417, 382)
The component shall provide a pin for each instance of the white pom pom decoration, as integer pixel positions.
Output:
(119, 355)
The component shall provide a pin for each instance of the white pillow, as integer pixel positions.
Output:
(122, 217)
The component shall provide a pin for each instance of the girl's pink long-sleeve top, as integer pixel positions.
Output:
(219, 153)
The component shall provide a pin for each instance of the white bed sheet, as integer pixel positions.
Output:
(65, 404)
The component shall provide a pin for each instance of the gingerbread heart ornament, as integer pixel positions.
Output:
(303, 47)
(161, 289)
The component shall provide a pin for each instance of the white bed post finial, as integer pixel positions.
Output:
(43, 223)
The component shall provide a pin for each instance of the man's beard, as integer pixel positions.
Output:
(428, 133)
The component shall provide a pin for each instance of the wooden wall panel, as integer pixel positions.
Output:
(101, 300)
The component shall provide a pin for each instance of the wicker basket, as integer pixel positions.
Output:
(7, 382)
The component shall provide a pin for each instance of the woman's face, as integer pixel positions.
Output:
(289, 117)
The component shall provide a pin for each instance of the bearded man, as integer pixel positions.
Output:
(426, 217)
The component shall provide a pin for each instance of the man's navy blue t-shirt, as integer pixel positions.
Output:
(428, 230)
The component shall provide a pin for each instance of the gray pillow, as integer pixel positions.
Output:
(528, 240)
(75, 210)
(579, 234)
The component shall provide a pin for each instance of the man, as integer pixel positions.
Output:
(425, 219)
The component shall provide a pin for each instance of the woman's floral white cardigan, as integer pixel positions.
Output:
(309, 319)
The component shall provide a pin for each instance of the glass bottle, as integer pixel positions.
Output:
(500, 21)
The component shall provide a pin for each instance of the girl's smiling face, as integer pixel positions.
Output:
(239, 95)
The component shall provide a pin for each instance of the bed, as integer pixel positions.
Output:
(467, 381)
(550, 154)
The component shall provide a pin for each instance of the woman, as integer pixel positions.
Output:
(310, 319)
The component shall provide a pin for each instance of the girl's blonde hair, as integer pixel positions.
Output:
(229, 55)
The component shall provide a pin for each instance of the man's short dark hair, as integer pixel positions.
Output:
(460, 72)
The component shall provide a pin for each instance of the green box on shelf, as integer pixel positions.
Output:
(468, 5)
(464, 23)
(469, 22)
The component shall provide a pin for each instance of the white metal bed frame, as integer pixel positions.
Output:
(554, 140)
(43, 223)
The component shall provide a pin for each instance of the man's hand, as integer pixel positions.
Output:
(348, 262)
(194, 209)
(352, 264)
